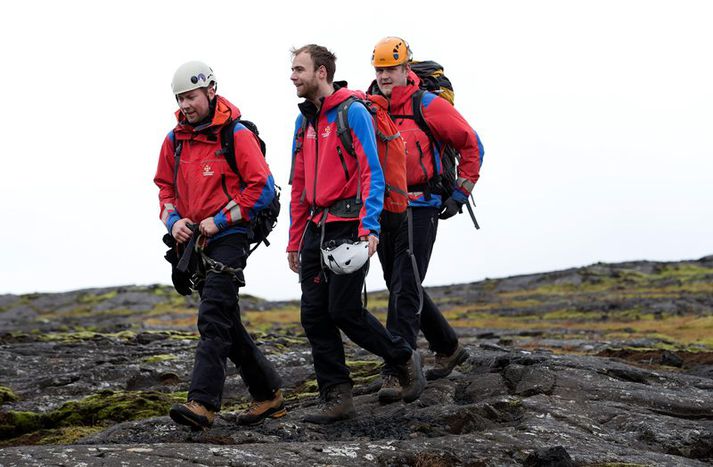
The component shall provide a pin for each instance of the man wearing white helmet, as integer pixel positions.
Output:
(336, 202)
(201, 195)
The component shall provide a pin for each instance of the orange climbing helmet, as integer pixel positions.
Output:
(391, 51)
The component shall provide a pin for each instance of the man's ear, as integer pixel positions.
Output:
(322, 71)
(211, 92)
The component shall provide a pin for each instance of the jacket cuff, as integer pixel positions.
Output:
(220, 221)
(366, 232)
(172, 219)
(459, 196)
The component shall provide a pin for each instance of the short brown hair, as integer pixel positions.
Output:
(321, 56)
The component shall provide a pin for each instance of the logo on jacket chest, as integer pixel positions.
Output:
(207, 170)
(327, 131)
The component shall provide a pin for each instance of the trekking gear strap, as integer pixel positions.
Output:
(414, 265)
(323, 226)
(470, 211)
(176, 160)
(185, 260)
(217, 267)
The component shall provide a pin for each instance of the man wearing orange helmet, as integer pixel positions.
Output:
(405, 253)
(337, 198)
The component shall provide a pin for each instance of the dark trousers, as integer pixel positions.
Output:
(403, 318)
(332, 302)
(223, 334)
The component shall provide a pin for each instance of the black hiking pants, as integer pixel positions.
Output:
(223, 335)
(332, 302)
(403, 318)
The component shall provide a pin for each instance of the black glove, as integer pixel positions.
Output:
(450, 208)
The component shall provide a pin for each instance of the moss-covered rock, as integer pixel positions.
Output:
(98, 409)
(7, 395)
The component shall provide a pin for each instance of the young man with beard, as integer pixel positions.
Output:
(396, 82)
(336, 203)
(200, 194)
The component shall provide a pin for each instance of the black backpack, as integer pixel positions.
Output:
(435, 81)
(264, 221)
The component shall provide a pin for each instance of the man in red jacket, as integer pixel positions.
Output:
(200, 194)
(336, 202)
(410, 311)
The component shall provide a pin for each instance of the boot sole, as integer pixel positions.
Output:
(277, 412)
(178, 416)
(433, 374)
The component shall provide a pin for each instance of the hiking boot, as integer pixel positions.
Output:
(260, 410)
(193, 414)
(412, 380)
(390, 389)
(338, 405)
(445, 363)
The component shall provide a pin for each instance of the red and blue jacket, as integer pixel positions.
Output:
(448, 127)
(324, 172)
(205, 185)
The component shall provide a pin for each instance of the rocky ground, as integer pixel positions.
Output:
(611, 364)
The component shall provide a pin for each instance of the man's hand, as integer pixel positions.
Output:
(208, 227)
(180, 231)
(373, 243)
(293, 259)
(450, 208)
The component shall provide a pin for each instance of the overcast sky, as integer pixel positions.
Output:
(597, 121)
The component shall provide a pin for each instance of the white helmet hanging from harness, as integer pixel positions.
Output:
(345, 256)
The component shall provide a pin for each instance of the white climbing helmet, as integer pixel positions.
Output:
(192, 75)
(345, 256)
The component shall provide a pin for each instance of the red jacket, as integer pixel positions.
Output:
(324, 172)
(448, 127)
(205, 184)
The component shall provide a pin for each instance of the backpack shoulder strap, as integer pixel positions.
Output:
(227, 144)
(299, 141)
(417, 107)
(343, 129)
(177, 147)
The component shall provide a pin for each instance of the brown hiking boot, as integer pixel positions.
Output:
(445, 363)
(412, 380)
(338, 405)
(260, 410)
(390, 389)
(193, 414)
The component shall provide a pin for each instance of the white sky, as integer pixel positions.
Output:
(596, 117)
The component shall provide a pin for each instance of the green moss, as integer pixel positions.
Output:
(89, 298)
(7, 395)
(364, 371)
(159, 358)
(97, 409)
(15, 423)
(84, 335)
(307, 389)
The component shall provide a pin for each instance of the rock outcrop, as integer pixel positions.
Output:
(603, 365)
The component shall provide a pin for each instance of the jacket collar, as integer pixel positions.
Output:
(223, 112)
(341, 93)
(402, 94)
